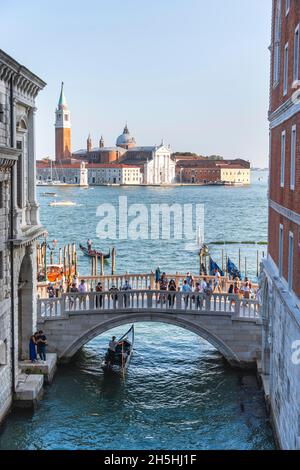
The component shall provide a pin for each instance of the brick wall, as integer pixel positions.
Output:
(288, 25)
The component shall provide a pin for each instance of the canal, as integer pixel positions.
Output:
(178, 392)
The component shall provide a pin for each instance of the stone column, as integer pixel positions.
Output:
(16, 212)
(33, 205)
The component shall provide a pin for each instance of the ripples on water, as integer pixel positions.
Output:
(178, 393)
(232, 214)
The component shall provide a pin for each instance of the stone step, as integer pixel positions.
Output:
(29, 390)
(47, 368)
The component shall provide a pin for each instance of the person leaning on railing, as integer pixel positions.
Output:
(99, 288)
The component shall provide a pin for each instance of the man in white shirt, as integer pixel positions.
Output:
(82, 287)
(203, 285)
(217, 280)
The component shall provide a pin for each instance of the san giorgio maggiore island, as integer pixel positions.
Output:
(261, 331)
(129, 164)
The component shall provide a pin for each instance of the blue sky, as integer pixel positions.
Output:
(193, 72)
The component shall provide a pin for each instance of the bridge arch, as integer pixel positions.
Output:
(127, 318)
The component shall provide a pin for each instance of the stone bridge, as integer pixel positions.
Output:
(231, 325)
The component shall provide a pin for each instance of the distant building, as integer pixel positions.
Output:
(280, 280)
(99, 154)
(203, 171)
(155, 162)
(114, 173)
(92, 173)
(62, 129)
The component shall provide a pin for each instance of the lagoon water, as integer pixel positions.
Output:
(178, 392)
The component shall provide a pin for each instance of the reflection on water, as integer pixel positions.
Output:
(178, 393)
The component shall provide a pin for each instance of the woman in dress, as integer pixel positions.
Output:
(32, 349)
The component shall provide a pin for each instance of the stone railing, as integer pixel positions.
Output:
(138, 281)
(150, 300)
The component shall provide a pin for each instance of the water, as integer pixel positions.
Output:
(178, 392)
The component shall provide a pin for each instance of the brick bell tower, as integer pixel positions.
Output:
(62, 129)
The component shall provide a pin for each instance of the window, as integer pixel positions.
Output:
(1, 195)
(282, 165)
(20, 175)
(296, 55)
(277, 37)
(287, 6)
(291, 260)
(3, 352)
(293, 156)
(1, 112)
(280, 249)
(1, 265)
(66, 117)
(286, 69)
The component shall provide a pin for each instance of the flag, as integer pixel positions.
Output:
(212, 266)
(233, 270)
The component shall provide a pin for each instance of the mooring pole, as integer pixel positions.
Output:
(113, 261)
(102, 264)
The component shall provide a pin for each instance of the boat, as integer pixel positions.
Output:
(62, 203)
(122, 356)
(49, 194)
(55, 272)
(93, 253)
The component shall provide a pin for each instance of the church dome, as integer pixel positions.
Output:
(125, 140)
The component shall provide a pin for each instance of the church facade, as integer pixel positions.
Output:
(155, 163)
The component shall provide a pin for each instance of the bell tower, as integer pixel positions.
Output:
(62, 128)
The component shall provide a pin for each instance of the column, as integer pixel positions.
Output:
(34, 207)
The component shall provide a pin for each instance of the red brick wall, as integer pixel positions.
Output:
(288, 26)
(62, 143)
(274, 221)
(285, 196)
(198, 175)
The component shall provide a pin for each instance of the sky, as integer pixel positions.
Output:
(191, 72)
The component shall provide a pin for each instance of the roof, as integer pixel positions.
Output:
(19, 72)
(62, 103)
(222, 164)
(99, 150)
(110, 165)
(61, 166)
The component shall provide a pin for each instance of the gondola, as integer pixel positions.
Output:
(122, 356)
(93, 253)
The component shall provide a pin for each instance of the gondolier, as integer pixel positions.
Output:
(89, 244)
(119, 352)
(111, 350)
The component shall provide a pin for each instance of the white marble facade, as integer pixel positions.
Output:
(19, 221)
(160, 168)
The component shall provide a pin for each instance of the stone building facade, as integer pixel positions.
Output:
(280, 279)
(203, 170)
(19, 220)
(156, 163)
(94, 173)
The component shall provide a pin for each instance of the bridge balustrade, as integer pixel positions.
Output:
(143, 299)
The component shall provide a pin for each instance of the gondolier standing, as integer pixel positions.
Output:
(89, 244)
(111, 350)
